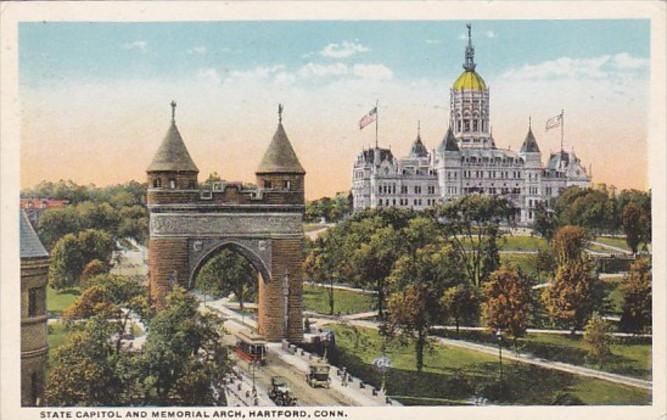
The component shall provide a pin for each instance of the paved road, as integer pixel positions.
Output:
(526, 358)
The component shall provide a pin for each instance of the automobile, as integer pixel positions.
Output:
(318, 375)
(280, 392)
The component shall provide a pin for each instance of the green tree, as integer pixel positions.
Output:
(632, 226)
(460, 303)
(471, 223)
(96, 245)
(183, 360)
(226, 273)
(597, 340)
(545, 222)
(507, 302)
(636, 289)
(545, 262)
(67, 261)
(419, 282)
(55, 223)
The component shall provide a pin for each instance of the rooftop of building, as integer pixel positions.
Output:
(31, 246)
(172, 155)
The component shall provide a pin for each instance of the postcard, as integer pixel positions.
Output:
(333, 210)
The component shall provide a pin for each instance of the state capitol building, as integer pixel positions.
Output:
(465, 162)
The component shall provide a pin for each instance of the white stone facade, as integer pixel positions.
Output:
(467, 161)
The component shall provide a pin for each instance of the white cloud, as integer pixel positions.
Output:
(210, 75)
(200, 49)
(463, 36)
(600, 67)
(433, 41)
(322, 70)
(136, 45)
(258, 73)
(372, 71)
(344, 49)
(626, 61)
(490, 34)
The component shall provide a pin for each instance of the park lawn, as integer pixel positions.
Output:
(58, 300)
(457, 375)
(616, 242)
(526, 262)
(316, 299)
(56, 337)
(599, 248)
(613, 293)
(522, 243)
(631, 356)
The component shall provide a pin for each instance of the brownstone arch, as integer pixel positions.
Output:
(189, 223)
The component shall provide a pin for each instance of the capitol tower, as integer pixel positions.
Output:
(466, 161)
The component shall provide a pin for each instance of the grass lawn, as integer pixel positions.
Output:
(613, 292)
(455, 376)
(526, 262)
(58, 300)
(56, 337)
(522, 243)
(630, 356)
(346, 302)
(616, 242)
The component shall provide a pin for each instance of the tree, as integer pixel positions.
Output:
(470, 223)
(545, 222)
(507, 302)
(419, 282)
(636, 289)
(184, 361)
(226, 273)
(85, 370)
(632, 225)
(101, 216)
(67, 261)
(568, 244)
(490, 253)
(96, 245)
(460, 303)
(545, 262)
(93, 268)
(596, 339)
(570, 298)
(55, 223)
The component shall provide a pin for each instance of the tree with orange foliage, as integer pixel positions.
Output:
(507, 302)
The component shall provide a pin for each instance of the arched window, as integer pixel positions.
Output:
(172, 183)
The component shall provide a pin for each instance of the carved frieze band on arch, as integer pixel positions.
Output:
(232, 224)
(257, 251)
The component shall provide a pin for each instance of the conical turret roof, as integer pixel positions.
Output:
(448, 143)
(31, 246)
(530, 144)
(280, 156)
(172, 154)
(418, 149)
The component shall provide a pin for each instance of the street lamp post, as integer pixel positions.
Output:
(499, 336)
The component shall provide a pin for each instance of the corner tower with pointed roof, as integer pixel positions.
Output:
(280, 174)
(172, 167)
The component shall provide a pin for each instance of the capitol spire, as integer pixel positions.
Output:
(469, 64)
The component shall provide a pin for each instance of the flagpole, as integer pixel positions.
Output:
(562, 128)
(377, 122)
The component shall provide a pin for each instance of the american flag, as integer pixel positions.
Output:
(368, 118)
(554, 122)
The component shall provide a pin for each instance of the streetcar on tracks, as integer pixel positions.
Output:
(251, 347)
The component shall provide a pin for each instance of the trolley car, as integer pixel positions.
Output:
(251, 347)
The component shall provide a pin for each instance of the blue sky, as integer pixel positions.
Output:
(92, 90)
(93, 51)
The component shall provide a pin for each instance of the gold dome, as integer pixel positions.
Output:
(469, 80)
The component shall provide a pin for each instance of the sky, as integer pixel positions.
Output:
(95, 96)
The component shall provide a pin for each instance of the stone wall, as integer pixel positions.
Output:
(168, 262)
